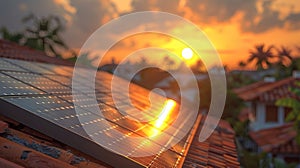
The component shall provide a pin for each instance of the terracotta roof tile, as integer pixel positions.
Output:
(277, 140)
(8, 164)
(14, 51)
(48, 152)
(3, 126)
(267, 91)
(219, 150)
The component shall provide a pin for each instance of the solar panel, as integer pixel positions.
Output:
(28, 66)
(40, 96)
(5, 65)
(11, 86)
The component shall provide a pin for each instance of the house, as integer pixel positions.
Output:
(269, 130)
(260, 98)
(39, 127)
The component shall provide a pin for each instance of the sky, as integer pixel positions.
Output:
(233, 26)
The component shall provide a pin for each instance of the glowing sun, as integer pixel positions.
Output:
(187, 53)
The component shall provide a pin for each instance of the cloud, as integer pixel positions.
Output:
(82, 18)
(258, 16)
(293, 21)
(171, 6)
(220, 11)
(66, 5)
(267, 19)
(89, 16)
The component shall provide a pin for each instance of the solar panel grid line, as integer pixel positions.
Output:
(28, 66)
(42, 82)
(39, 82)
(12, 86)
(6, 65)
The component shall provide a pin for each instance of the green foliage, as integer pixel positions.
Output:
(278, 163)
(250, 160)
(294, 104)
(14, 37)
(238, 80)
(261, 160)
(233, 106)
(240, 128)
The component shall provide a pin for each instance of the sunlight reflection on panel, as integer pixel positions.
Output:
(160, 123)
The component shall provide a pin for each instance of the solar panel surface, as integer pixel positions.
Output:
(40, 96)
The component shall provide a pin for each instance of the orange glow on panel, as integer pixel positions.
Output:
(163, 118)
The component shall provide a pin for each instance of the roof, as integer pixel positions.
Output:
(277, 140)
(14, 51)
(23, 146)
(219, 150)
(266, 91)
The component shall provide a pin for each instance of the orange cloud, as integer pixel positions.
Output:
(66, 5)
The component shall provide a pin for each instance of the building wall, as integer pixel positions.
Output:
(260, 118)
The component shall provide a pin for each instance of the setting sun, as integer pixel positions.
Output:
(187, 53)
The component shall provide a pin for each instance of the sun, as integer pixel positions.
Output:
(187, 53)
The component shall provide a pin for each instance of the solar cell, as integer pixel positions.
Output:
(47, 104)
(11, 86)
(29, 66)
(5, 65)
(40, 82)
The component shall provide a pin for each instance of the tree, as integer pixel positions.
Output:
(261, 55)
(14, 37)
(284, 55)
(284, 62)
(293, 103)
(44, 34)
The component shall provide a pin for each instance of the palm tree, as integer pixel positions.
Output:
(284, 55)
(261, 55)
(45, 34)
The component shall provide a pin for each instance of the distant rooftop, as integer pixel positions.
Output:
(14, 51)
(277, 140)
(265, 91)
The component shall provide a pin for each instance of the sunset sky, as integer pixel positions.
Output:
(233, 26)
